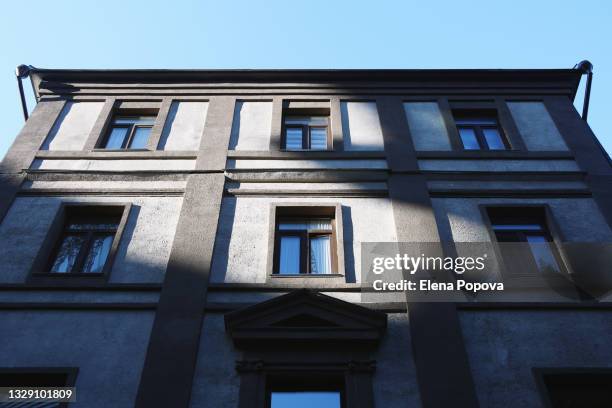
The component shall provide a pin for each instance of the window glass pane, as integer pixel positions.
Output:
(293, 139)
(318, 138)
(517, 227)
(67, 253)
(289, 256)
(140, 138)
(493, 138)
(306, 399)
(320, 255)
(308, 225)
(100, 248)
(116, 138)
(540, 248)
(468, 138)
(131, 120)
(306, 120)
(82, 226)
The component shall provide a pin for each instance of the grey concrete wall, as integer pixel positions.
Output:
(114, 165)
(427, 126)
(241, 248)
(503, 347)
(498, 165)
(72, 127)
(579, 219)
(361, 126)
(252, 126)
(216, 382)
(536, 126)
(395, 382)
(108, 347)
(306, 164)
(184, 126)
(143, 252)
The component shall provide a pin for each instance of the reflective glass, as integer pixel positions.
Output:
(116, 137)
(134, 120)
(306, 120)
(468, 138)
(98, 252)
(517, 227)
(293, 139)
(542, 253)
(67, 253)
(305, 399)
(140, 138)
(493, 138)
(318, 139)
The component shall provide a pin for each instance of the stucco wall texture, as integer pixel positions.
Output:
(108, 348)
(504, 346)
(241, 247)
(143, 251)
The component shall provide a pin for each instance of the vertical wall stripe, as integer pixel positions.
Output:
(438, 349)
(22, 152)
(167, 376)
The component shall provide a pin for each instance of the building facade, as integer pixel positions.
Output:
(194, 238)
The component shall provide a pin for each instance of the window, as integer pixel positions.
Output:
(579, 388)
(304, 246)
(305, 399)
(306, 132)
(306, 242)
(86, 241)
(527, 228)
(129, 132)
(480, 131)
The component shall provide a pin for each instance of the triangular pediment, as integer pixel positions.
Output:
(304, 316)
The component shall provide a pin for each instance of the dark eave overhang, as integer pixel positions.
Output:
(571, 77)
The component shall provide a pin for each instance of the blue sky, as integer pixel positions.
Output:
(312, 34)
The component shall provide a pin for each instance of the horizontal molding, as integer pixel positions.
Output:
(164, 192)
(124, 172)
(545, 175)
(301, 155)
(48, 175)
(532, 306)
(389, 307)
(282, 287)
(495, 155)
(510, 193)
(65, 285)
(76, 306)
(307, 175)
(308, 193)
(304, 155)
(115, 155)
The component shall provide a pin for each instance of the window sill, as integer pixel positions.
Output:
(68, 279)
(307, 281)
(101, 149)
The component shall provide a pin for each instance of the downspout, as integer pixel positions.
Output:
(585, 67)
(21, 72)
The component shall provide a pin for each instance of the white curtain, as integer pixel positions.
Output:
(289, 256)
(320, 255)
